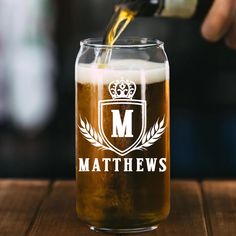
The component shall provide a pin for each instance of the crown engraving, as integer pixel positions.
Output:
(122, 89)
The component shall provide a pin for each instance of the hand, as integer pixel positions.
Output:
(221, 22)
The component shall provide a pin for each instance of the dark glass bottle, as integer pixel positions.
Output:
(167, 8)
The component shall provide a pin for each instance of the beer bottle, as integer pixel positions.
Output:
(126, 10)
(166, 8)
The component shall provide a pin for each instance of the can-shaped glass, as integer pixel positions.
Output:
(122, 124)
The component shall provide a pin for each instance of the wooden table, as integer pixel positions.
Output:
(48, 208)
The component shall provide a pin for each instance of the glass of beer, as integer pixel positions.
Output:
(122, 135)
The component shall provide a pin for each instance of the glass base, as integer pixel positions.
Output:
(124, 231)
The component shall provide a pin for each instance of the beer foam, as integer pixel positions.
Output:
(139, 71)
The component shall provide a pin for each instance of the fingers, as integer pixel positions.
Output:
(219, 20)
(230, 39)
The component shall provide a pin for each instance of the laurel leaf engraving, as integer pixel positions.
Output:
(91, 131)
(153, 131)
(144, 138)
(156, 125)
(82, 123)
(91, 135)
(152, 135)
(147, 144)
(95, 135)
(162, 122)
(87, 125)
(99, 138)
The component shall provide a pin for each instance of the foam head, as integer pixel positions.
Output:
(138, 71)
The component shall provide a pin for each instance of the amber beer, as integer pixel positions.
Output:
(122, 137)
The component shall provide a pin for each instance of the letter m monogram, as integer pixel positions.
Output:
(119, 128)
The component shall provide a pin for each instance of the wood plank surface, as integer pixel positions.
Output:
(187, 215)
(37, 208)
(19, 202)
(57, 214)
(220, 205)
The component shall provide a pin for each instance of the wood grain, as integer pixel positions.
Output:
(220, 205)
(34, 208)
(186, 215)
(57, 214)
(19, 202)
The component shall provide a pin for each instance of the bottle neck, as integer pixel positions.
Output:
(140, 7)
(168, 8)
(151, 7)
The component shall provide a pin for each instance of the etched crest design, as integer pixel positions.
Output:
(122, 89)
(120, 138)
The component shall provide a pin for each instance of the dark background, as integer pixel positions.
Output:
(203, 98)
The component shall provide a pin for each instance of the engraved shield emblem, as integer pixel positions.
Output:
(122, 123)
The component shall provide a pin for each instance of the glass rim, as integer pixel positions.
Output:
(123, 43)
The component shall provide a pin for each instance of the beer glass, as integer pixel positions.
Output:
(122, 135)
